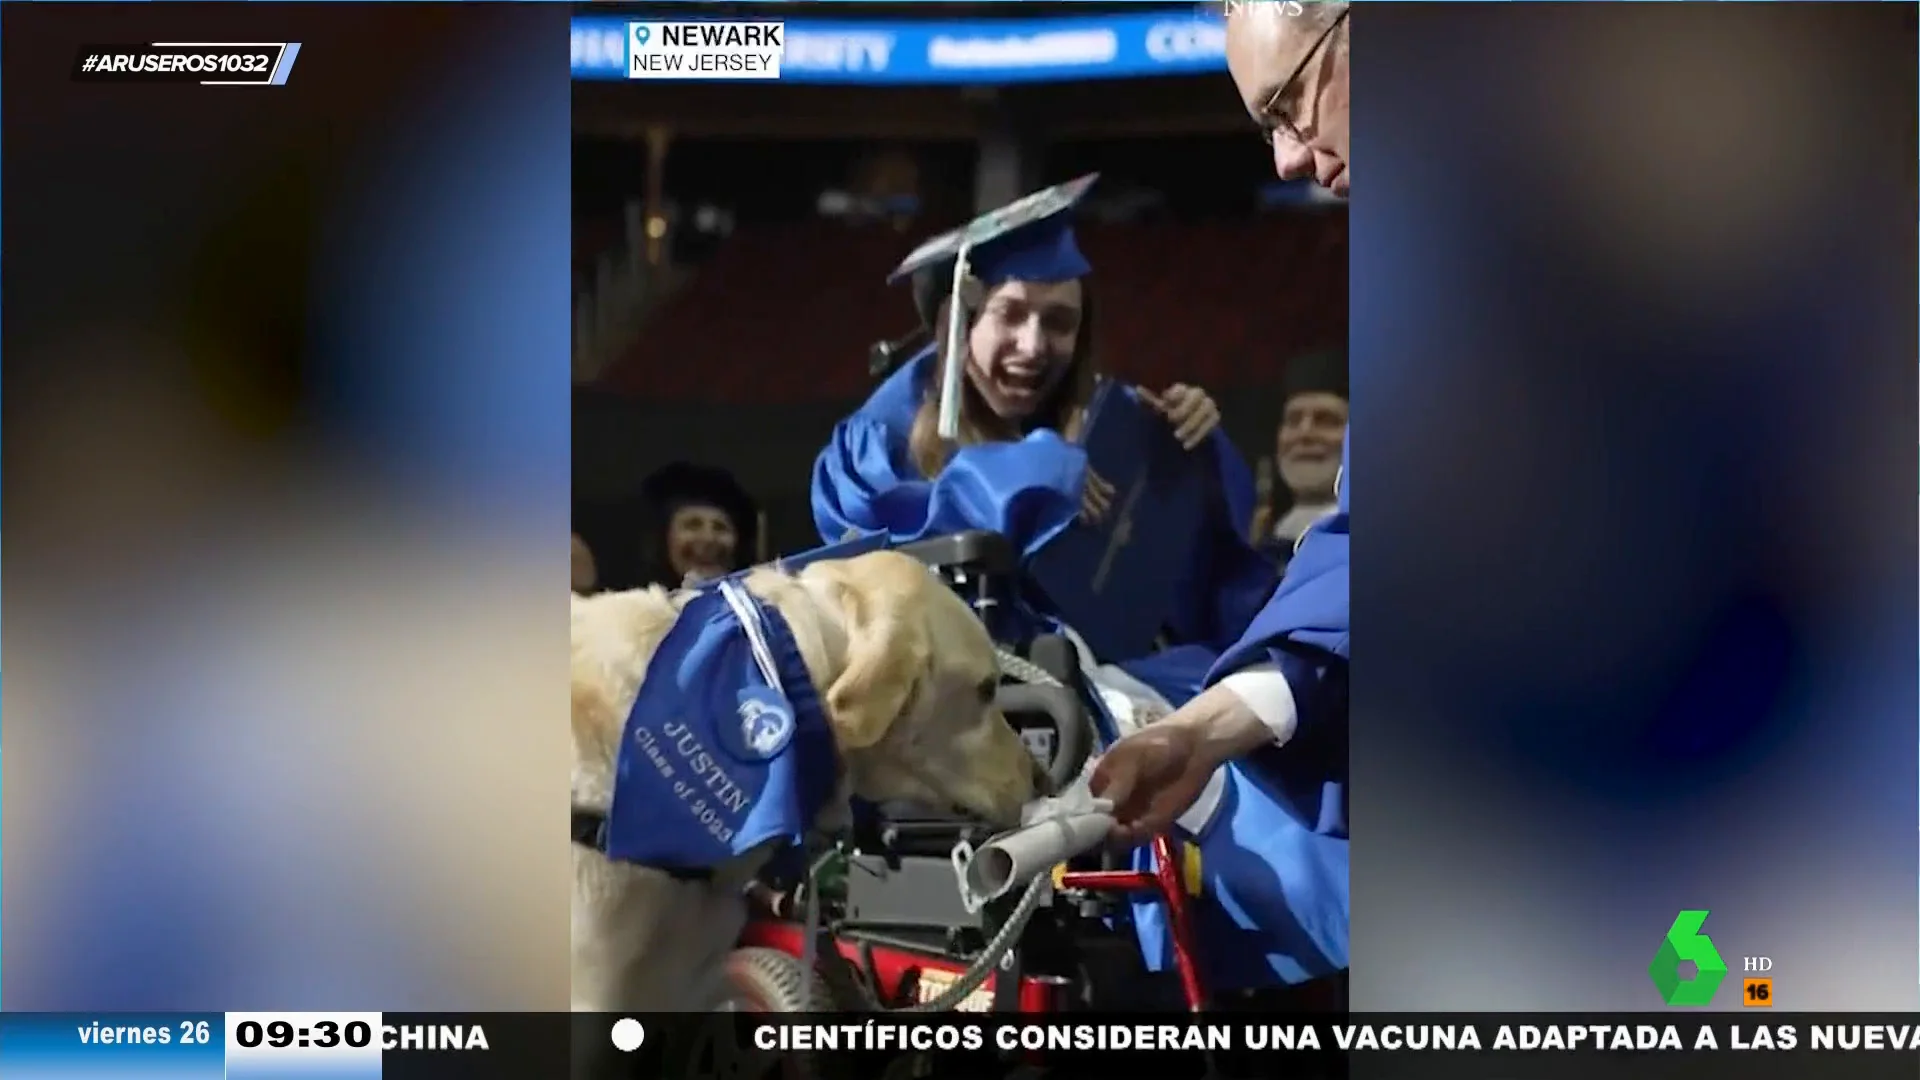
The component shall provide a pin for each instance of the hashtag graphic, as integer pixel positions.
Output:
(92, 62)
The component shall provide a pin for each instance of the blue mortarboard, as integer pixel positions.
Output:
(1030, 239)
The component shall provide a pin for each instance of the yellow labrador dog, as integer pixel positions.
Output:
(900, 673)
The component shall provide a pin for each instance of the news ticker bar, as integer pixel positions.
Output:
(353, 1046)
(206, 63)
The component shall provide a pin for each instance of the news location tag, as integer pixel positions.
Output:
(705, 49)
(206, 63)
(275, 1045)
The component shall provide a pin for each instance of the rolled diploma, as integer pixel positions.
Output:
(1012, 859)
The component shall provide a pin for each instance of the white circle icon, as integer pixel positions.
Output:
(628, 1035)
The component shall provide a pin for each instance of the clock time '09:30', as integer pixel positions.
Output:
(324, 1034)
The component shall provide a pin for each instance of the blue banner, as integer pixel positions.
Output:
(113, 1046)
(980, 51)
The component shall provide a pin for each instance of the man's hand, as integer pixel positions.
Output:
(1152, 776)
(1188, 408)
(1155, 774)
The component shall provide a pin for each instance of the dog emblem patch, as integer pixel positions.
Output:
(766, 722)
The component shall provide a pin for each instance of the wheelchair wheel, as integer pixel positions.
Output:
(1054, 654)
(768, 980)
(764, 981)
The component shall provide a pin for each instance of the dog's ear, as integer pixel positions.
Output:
(889, 648)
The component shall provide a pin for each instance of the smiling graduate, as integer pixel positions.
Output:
(985, 428)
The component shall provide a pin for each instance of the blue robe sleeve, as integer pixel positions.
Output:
(1236, 482)
(863, 484)
(1229, 580)
(1276, 856)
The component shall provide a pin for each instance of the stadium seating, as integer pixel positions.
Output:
(784, 314)
(591, 239)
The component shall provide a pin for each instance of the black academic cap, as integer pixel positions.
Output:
(1315, 373)
(685, 484)
(1029, 239)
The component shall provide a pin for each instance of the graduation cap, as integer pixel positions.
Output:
(1030, 239)
(1315, 373)
(682, 484)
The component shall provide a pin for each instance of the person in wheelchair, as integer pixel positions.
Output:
(1018, 467)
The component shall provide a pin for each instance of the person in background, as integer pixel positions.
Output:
(1016, 468)
(584, 575)
(703, 525)
(1273, 717)
(1307, 446)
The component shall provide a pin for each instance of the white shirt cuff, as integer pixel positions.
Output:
(1265, 691)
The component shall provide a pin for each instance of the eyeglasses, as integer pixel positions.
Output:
(1272, 118)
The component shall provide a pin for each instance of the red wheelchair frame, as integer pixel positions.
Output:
(895, 971)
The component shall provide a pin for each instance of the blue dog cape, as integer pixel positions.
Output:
(727, 747)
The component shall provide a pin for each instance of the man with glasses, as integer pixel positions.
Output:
(1254, 768)
(1289, 62)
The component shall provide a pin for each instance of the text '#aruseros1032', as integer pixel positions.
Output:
(205, 63)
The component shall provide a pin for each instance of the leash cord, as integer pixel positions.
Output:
(810, 930)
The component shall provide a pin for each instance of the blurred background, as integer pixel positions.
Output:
(286, 459)
(731, 241)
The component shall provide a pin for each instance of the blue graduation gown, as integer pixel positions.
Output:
(865, 482)
(1308, 612)
(1274, 858)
